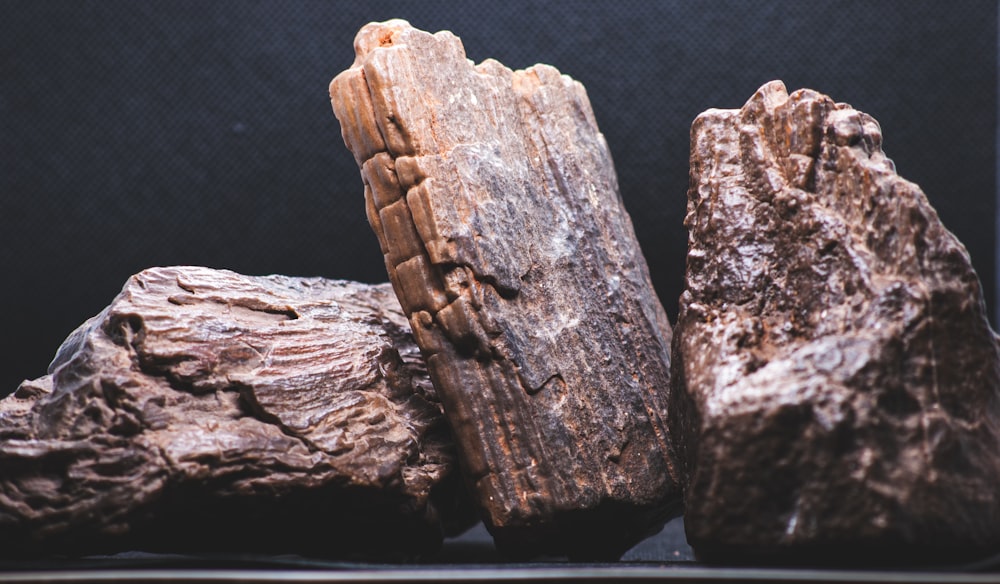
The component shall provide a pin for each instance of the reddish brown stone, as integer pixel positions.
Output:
(495, 201)
(836, 380)
(208, 411)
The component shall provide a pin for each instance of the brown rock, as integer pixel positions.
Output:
(208, 411)
(496, 204)
(835, 375)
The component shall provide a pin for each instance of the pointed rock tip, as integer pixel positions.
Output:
(770, 95)
(378, 34)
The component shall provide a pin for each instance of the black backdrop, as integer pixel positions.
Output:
(135, 134)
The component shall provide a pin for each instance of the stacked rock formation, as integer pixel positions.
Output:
(835, 375)
(208, 411)
(495, 201)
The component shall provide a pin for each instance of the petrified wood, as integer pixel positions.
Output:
(495, 201)
(204, 410)
(835, 375)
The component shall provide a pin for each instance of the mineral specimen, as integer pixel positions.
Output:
(835, 377)
(495, 201)
(208, 411)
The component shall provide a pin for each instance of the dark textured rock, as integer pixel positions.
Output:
(496, 204)
(208, 411)
(835, 375)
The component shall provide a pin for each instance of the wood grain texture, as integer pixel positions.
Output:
(495, 201)
(206, 411)
(836, 379)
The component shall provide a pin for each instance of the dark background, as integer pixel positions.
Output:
(135, 134)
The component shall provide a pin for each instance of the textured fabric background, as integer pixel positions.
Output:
(135, 133)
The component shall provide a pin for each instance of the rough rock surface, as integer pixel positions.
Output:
(495, 200)
(835, 377)
(208, 411)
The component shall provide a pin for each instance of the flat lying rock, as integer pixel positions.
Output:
(495, 201)
(835, 375)
(208, 411)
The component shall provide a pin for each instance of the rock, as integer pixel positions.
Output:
(835, 376)
(208, 411)
(495, 201)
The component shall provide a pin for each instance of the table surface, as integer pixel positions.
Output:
(471, 557)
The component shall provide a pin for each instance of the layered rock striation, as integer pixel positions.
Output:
(496, 205)
(208, 411)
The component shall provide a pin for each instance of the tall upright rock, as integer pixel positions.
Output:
(495, 201)
(836, 380)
